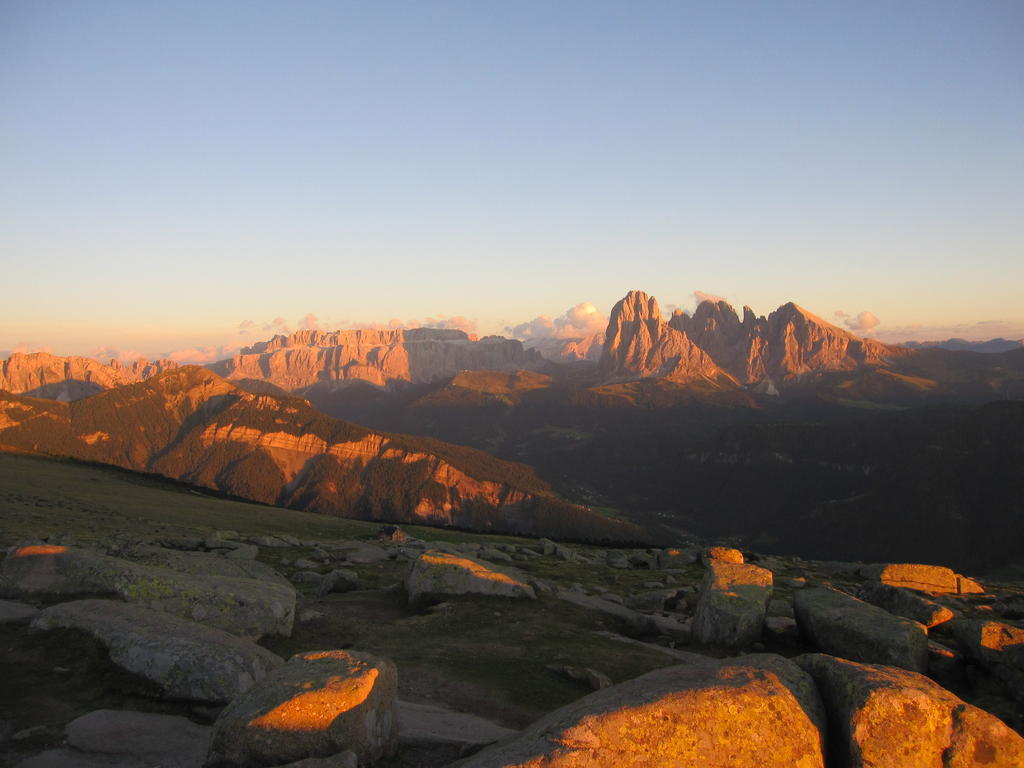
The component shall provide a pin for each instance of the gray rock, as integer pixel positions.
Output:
(428, 725)
(344, 759)
(12, 612)
(676, 557)
(892, 718)
(307, 577)
(493, 553)
(996, 646)
(648, 602)
(435, 575)
(844, 626)
(339, 580)
(185, 659)
(244, 552)
(317, 705)
(729, 714)
(305, 565)
(167, 740)
(616, 559)
(244, 606)
(732, 605)
(906, 603)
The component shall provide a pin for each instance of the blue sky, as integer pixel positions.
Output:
(170, 170)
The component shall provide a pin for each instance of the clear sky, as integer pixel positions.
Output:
(171, 170)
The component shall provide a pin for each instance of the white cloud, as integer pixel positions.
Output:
(577, 322)
(700, 296)
(864, 322)
(200, 354)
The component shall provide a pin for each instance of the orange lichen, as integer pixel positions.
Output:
(478, 570)
(315, 710)
(39, 549)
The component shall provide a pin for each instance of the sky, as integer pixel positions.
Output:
(182, 178)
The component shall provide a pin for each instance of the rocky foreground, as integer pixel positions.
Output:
(271, 651)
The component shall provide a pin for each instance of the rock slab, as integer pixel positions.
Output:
(185, 659)
(317, 705)
(844, 626)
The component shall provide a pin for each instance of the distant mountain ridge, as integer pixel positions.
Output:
(40, 374)
(384, 358)
(963, 345)
(190, 424)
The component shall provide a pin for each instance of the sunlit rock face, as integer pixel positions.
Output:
(741, 713)
(318, 704)
(381, 357)
(435, 575)
(842, 625)
(186, 660)
(935, 579)
(639, 343)
(905, 602)
(69, 378)
(884, 717)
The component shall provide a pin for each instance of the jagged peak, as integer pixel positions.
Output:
(635, 305)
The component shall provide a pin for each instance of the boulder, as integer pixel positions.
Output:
(722, 554)
(338, 580)
(650, 601)
(935, 579)
(204, 563)
(905, 602)
(997, 646)
(166, 740)
(727, 714)
(318, 704)
(12, 612)
(436, 575)
(430, 725)
(344, 759)
(842, 625)
(184, 659)
(240, 605)
(886, 717)
(966, 586)
(732, 605)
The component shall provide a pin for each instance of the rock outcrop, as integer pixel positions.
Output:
(184, 659)
(384, 358)
(435, 575)
(732, 605)
(934, 579)
(40, 374)
(728, 714)
(892, 718)
(996, 645)
(318, 704)
(842, 625)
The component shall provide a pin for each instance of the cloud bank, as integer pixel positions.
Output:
(577, 322)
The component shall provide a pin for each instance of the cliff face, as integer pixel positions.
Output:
(640, 344)
(569, 350)
(189, 424)
(384, 358)
(68, 378)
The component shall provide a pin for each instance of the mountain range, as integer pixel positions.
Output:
(783, 430)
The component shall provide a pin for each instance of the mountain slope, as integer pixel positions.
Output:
(191, 425)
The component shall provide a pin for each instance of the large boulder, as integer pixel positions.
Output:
(732, 605)
(842, 625)
(997, 646)
(204, 563)
(905, 602)
(318, 704)
(12, 612)
(722, 555)
(935, 579)
(241, 605)
(184, 659)
(728, 714)
(435, 575)
(886, 717)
